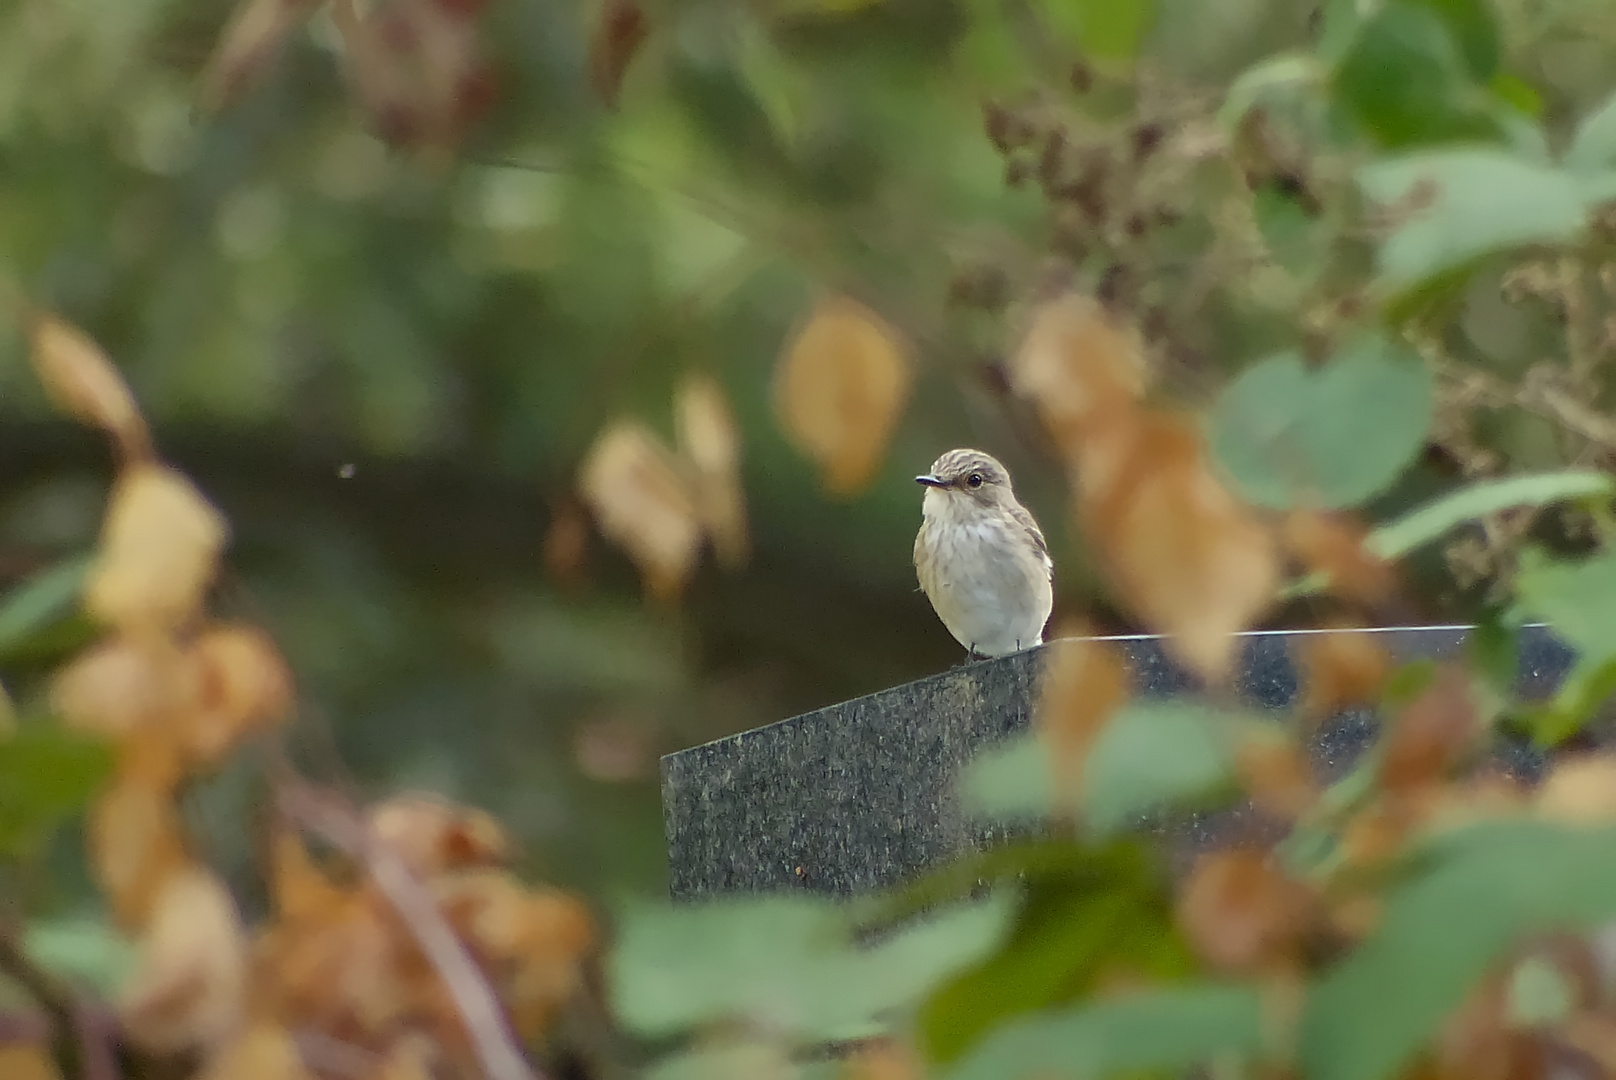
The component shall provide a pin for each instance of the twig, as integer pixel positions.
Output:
(80, 1040)
(342, 827)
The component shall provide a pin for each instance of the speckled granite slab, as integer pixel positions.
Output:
(860, 795)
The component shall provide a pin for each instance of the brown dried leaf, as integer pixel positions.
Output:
(1077, 364)
(243, 687)
(1432, 733)
(299, 888)
(1274, 771)
(1332, 545)
(19, 1062)
(620, 30)
(347, 970)
(83, 382)
(160, 548)
(566, 543)
(1242, 914)
(613, 750)
(533, 941)
(1085, 682)
(1580, 790)
(1186, 558)
(251, 42)
(839, 390)
(136, 844)
(263, 1051)
(190, 988)
(644, 506)
(1342, 669)
(123, 686)
(711, 442)
(434, 835)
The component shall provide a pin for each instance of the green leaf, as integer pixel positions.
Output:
(1105, 908)
(1333, 437)
(1172, 1028)
(1482, 889)
(786, 963)
(1594, 145)
(1586, 687)
(46, 775)
(1430, 522)
(738, 1061)
(1265, 80)
(1473, 26)
(1291, 233)
(1151, 754)
(39, 605)
(87, 951)
(1577, 599)
(1105, 30)
(1454, 206)
(1405, 80)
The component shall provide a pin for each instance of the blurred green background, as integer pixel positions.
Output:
(387, 374)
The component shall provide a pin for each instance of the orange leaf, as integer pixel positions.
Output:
(347, 969)
(839, 390)
(136, 845)
(160, 548)
(535, 942)
(1432, 733)
(1085, 681)
(620, 29)
(434, 835)
(123, 687)
(1274, 772)
(244, 687)
(643, 505)
(83, 382)
(710, 441)
(1332, 545)
(1186, 558)
(299, 888)
(1077, 364)
(1341, 669)
(19, 1062)
(191, 985)
(1242, 914)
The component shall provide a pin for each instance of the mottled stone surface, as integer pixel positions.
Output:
(861, 795)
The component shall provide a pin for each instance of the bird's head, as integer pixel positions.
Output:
(965, 479)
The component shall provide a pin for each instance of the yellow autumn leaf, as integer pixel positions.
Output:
(643, 504)
(190, 987)
(160, 547)
(840, 389)
(1077, 364)
(1185, 557)
(711, 443)
(84, 383)
(264, 1051)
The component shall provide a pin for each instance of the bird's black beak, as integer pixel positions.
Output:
(931, 481)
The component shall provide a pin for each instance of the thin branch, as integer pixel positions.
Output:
(342, 827)
(81, 1040)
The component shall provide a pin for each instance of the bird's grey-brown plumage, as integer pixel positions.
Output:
(981, 558)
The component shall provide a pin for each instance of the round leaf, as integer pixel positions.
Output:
(1331, 438)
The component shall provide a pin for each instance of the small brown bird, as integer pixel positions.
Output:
(980, 557)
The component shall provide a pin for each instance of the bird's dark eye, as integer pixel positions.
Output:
(975, 479)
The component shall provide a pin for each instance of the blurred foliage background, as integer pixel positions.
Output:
(387, 369)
